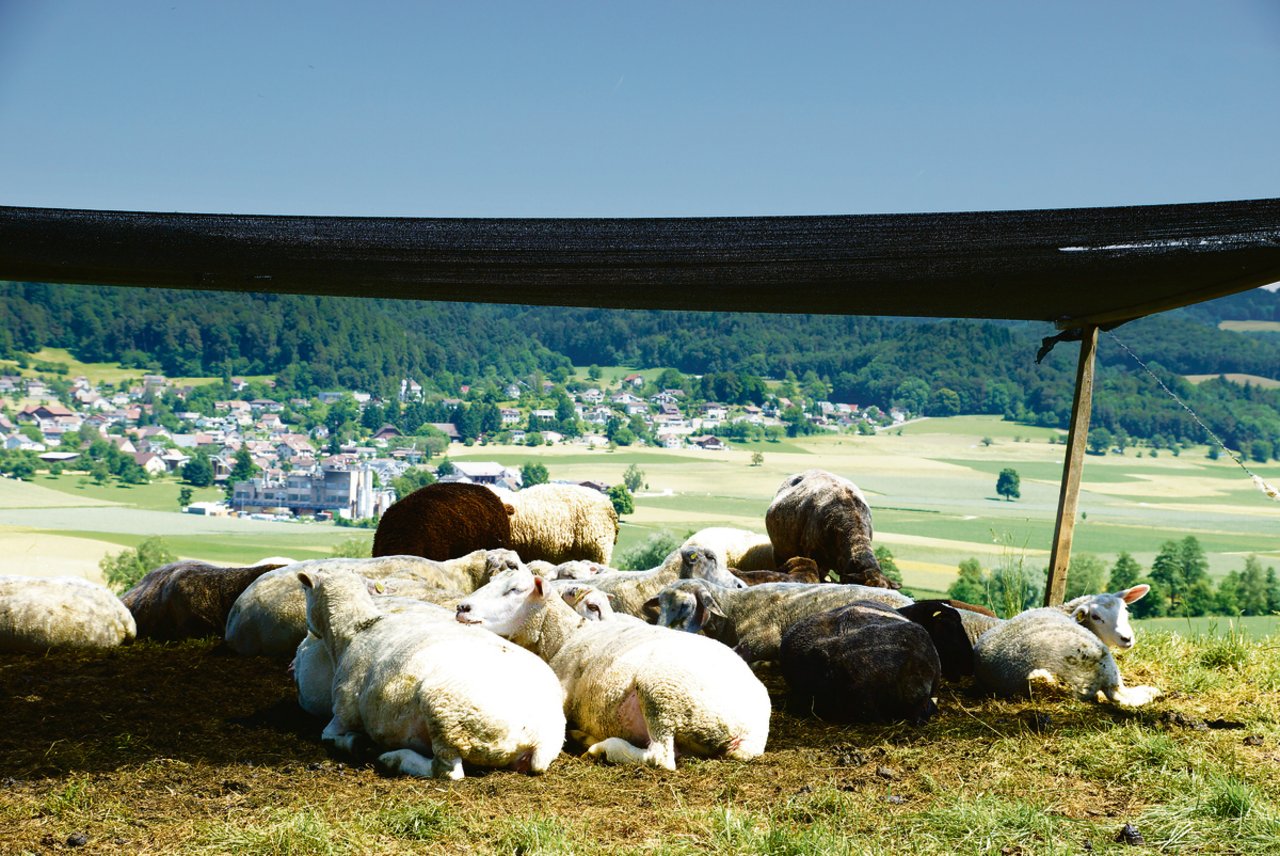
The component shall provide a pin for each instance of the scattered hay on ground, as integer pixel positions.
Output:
(181, 748)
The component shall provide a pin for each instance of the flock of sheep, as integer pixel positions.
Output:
(488, 626)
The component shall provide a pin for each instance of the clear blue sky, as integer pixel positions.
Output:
(637, 108)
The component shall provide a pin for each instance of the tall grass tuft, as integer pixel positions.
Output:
(304, 832)
(423, 822)
(1230, 651)
(533, 836)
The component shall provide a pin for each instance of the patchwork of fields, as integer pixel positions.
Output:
(931, 485)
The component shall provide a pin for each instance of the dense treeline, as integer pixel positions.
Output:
(1178, 577)
(925, 366)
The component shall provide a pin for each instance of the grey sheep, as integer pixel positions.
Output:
(269, 617)
(826, 518)
(753, 619)
(188, 599)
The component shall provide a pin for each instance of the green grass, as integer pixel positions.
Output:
(1249, 626)
(98, 373)
(160, 494)
(311, 542)
(979, 426)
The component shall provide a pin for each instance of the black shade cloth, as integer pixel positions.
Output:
(1068, 266)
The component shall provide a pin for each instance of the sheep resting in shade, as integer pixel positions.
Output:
(444, 521)
(39, 613)
(423, 687)
(188, 599)
(862, 662)
(826, 518)
(635, 693)
(269, 617)
(1065, 646)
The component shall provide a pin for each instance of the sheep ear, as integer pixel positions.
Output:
(306, 580)
(651, 610)
(540, 586)
(1080, 613)
(705, 612)
(1137, 592)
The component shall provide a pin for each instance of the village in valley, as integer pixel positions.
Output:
(339, 454)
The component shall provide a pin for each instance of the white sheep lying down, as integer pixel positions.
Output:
(417, 686)
(269, 617)
(1106, 615)
(1066, 645)
(635, 693)
(312, 667)
(39, 613)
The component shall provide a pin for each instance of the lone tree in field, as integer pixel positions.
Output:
(633, 478)
(1008, 484)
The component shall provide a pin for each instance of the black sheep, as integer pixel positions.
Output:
(861, 662)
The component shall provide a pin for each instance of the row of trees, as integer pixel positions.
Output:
(1179, 580)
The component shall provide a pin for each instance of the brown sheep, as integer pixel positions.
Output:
(826, 518)
(187, 599)
(444, 521)
(797, 569)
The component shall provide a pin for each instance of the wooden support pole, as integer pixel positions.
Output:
(1069, 493)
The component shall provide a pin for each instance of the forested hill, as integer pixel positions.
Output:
(928, 366)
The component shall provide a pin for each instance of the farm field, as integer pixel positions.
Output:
(932, 491)
(112, 373)
(931, 485)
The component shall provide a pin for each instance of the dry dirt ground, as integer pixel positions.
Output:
(181, 748)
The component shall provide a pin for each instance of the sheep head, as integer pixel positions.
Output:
(1107, 615)
(505, 603)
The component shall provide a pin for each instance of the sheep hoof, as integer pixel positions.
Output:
(1135, 696)
(409, 763)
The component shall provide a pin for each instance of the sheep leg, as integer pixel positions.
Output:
(1130, 696)
(644, 719)
(335, 734)
(659, 753)
(410, 763)
(448, 761)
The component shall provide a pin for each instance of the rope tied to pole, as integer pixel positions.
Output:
(1258, 482)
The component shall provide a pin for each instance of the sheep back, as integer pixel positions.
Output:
(760, 614)
(620, 673)
(1041, 641)
(559, 523)
(39, 613)
(735, 548)
(826, 518)
(313, 666)
(455, 691)
(797, 569)
(188, 599)
(861, 662)
(270, 617)
(443, 521)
